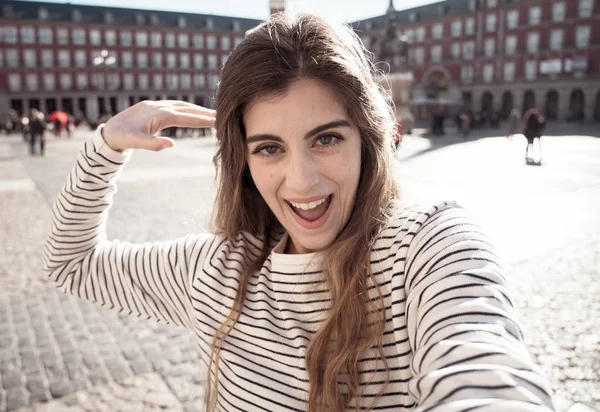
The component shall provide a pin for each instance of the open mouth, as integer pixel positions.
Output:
(312, 214)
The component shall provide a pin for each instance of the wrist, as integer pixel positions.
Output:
(102, 127)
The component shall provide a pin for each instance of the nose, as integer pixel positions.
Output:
(302, 173)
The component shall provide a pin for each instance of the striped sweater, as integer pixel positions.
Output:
(451, 339)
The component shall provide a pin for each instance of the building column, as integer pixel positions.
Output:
(25, 106)
(92, 107)
(589, 94)
(122, 103)
(4, 104)
(564, 94)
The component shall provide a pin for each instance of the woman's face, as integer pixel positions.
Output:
(304, 155)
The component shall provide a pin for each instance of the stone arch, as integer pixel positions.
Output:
(487, 102)
(436, 82)
(528, 100)
(551, 106)
(577, 105)
(507, 104)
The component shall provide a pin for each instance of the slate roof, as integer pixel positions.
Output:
(63, 12)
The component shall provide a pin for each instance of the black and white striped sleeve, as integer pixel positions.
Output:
(149, 280)
(469, 352)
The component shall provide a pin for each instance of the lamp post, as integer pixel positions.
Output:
(105, 61)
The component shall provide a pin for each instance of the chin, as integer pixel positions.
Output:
(308, 244)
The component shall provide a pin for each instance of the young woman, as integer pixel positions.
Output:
(319, 289)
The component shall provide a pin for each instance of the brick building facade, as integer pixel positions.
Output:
(493, 55)
(98, 60)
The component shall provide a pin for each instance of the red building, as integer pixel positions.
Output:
(98, 60)
(495, 55)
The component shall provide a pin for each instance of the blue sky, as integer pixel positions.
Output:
(343, 10)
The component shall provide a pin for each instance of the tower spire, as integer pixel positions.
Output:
(391, 8)
(276, 6)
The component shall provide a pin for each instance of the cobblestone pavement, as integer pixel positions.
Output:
(58, 353)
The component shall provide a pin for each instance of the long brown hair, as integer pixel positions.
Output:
(270, 58)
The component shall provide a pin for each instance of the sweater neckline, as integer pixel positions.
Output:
(302, 262)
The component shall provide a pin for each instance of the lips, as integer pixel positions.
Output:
(311, 215)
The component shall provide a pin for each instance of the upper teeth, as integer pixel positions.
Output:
(308, 206)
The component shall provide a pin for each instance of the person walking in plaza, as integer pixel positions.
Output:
(37, 128)
(534, 124)
(319, 289)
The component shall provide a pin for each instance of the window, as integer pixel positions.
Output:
(420, 34)
(412, 17)
(582, 37)
(558, 11)
(142, 60)
(171, 60)
(468, 50)
(457, 28)
(43, 13)
(224, 58)
(47, 58)
(198, 41)
(436, 54)
(211, 42)
(12, 58)
(65, 81)
(80, 58)
(49, 81)
(410, 35)
(466, 74)
(492, 3)
(437, 31)
(126, 38)
(141, 39)
(140, 19)
(509, 72)
(225, 43)
(510, 46)
(157, 60)
(198, 61)
(556, 39)
(184, 61)
(127, 58)
(366, 42)
(184, 40)
(154, 20)
(472, 5)
(113, 81)
(27, 35)
(79, 36)
(185, 81)
(128, 81)
(213, 81)
(512, 19)
(533, 42)
(535, 16)
(45, 35)
(585, 8)
(210, 24)
(456, 50)
(14, 82)
(488, 73)
(199, 81)
(63, 36)
(490, 47)
(212, 61)
(111, 37)
(490, 23)
(470, 26)
(76, 15)
(64, 58)
(157, 81)
(530, 70)
(172, 81)
(156, 39)
(10, 34)
(109, 18)
(181, 23)
(170, 40)
(237, 41)
(419, 55)
(81, 81)
(95, 37)
(236, 25)
(143, 81)
(98, 80)
(30, 58)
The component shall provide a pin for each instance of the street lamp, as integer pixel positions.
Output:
(105, 61)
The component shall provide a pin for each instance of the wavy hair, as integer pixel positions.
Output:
(269, 59)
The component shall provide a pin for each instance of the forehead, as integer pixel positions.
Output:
(303, 106)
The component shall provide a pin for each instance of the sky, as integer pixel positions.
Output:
(341, 10)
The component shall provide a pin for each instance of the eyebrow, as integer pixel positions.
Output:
(308, 135)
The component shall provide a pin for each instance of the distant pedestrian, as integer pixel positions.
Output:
(534, 124)
(37, 127)
(514, 120)
(465, 124)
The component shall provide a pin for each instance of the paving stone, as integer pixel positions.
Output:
(13, 379)
(60, 387)
(16, 398)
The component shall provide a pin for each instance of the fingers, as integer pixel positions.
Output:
(186, 117)
(179, 104)
(156, 144)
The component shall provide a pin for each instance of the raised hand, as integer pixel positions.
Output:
(134, 127)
